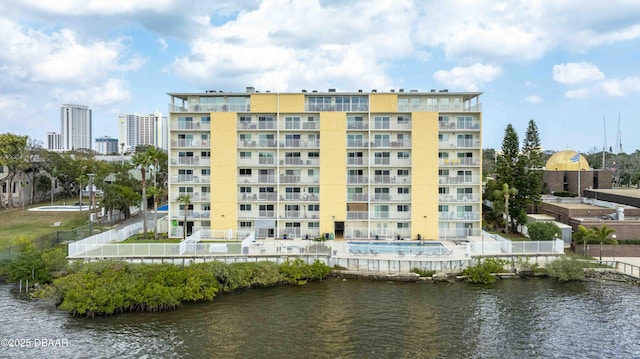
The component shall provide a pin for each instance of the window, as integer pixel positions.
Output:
(381, 122)
(382, 158)
(205, 154)
(403, 225)
(244, 224)
(245, 120)
(205, 119)
(443, 190)
(313, 225)
(314, 190)
(245, 189)
(292, 122)
(245, 155)
(403, 172)
(403, 120)
(313, 155)
(443, 154)
(403, 208)
(245, 137)
(245, 172)
(403, 190)
(205, 171)
(245, 207)
(443, 208)
(403, 155)
(313, 207)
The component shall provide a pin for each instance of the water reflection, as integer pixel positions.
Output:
(354, 319)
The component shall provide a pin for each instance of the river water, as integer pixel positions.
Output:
(534, 318)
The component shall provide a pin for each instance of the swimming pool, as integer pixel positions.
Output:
(398, 247)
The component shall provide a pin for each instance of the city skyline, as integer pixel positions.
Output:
(565, 65)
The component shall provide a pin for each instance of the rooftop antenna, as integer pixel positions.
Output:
(604, 146)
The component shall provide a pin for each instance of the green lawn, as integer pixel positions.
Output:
(16, 223)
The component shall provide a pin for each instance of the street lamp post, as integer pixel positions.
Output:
(91, 176)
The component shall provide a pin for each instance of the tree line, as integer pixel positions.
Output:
(27, 162)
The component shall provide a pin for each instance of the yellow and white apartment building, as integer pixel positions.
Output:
(354, 165)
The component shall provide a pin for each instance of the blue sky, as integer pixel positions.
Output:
(562, 63)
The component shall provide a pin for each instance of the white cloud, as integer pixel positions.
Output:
(100, 94)
(163, 44)
(469, 78)
(621, 87)
(576, 73)
(579, 93)
(292, 45)
(534, 99)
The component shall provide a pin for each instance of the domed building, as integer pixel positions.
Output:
(569, 171)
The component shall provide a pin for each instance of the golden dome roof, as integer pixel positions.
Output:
(567, 160)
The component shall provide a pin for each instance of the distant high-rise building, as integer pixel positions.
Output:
(54, 141)
(106, 145)
(137, 130)
(75, 121)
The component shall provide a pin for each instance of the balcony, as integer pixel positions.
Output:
(267, 214)
(206, 108)
(357, 144)
(194, 160)
(453, 126)
(459, 198)
(190, 125)
(336, 107)
(357, 197)
(459, 144)
(357, 125)
(357, 179)
(462, 179)
(182, 143)
(459, 162)
(459, 216)
(257, 179)
(440, 108)
(261, 161)
(357, 161)
(292, 214)
(357, 215)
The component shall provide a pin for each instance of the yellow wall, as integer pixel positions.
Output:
(264, 102)
(224, 187)
(383, 102)
(333, 169)
(291, 103)
(424, 175)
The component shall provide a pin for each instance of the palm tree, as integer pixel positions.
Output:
(143, 161)
(603, 234)
(157, 193)
(185, 200)
(581, 235)
(505, 193)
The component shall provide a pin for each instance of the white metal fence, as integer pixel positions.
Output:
(101, 239)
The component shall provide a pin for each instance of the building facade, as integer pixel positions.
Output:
(75, 124)
(345, 164)
(107, 145)
(54, 141)
(137, 130)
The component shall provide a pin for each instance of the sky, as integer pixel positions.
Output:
(573, 69)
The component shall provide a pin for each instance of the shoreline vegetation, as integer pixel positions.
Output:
(112, 287)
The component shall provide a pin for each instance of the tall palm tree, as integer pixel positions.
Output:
(505, 193)
(185, 200)
(581, 235)
(603, 234)
(143, 161)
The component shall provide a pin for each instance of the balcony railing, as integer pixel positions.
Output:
(459, 162)
(462, 179)
(357, 179)
(459, 144)
(189, 125)
(459, 216)
(210, 108)
(473, 125)
(335, 107)
(357, 214)
(357, 161)
(357, 197)
(190, 144)
(357, 144)
(439, 108)
(469, 197)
